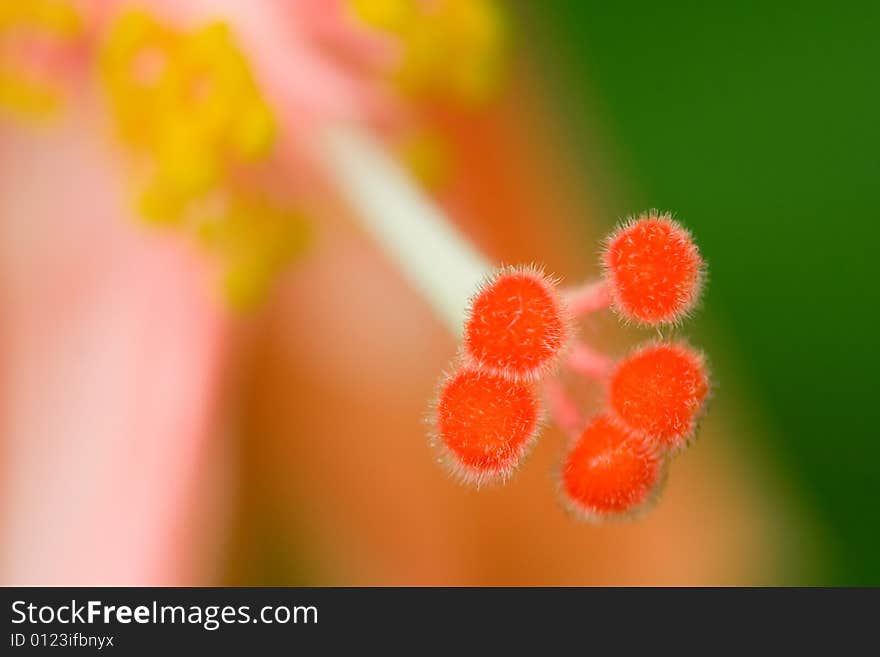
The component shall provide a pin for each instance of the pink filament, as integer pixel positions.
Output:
(589, 362)
(563, 410)
(588, 298)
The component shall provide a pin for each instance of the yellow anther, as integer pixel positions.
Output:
(23, 23)
(135, 62)
(25, 98)
(256, 240)
(253, 132)
(56, 17)
(188, 101)
(388, 15)
(452, 48)
(427, 156)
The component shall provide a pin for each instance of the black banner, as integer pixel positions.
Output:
(147, 620)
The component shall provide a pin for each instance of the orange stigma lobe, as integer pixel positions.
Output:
(517, 325)
(485, 423)
(659, 391)
(654, 270)
(610, 471)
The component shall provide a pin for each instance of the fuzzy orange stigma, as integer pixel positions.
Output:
(486, 424)
(610, 471)
(659, 390)
(653, 269)
(517, 325)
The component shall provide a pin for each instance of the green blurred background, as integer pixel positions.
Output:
(757, 123)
